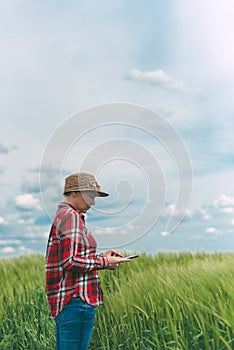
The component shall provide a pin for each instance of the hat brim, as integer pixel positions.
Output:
(103, 194)
(98, 193)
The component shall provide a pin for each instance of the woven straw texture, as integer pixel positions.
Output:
(83, 182)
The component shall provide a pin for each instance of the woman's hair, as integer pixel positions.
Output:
(67, 194)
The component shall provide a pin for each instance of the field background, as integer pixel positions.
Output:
(168, 301)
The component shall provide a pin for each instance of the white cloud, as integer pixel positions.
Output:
(107, 230)
(9, 241)
(27, 202)
(211, 230)
(27, 222)
(183, 212)
(24, 250)
(205, 214)
(224, 201)
(165, 233)
(7, 250)
(157, 77)
(45, 234)
(227, 210)
(2, 221)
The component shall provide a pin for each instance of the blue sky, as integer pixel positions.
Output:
(176, 58)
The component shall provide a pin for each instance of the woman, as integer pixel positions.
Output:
(72, 263)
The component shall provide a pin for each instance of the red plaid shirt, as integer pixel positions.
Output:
(71, 261)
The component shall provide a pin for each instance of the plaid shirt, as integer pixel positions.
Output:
(71, 261)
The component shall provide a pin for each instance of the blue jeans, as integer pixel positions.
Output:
(74, 325)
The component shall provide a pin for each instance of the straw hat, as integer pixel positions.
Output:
(83, 182)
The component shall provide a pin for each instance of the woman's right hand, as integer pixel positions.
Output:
(114, 261)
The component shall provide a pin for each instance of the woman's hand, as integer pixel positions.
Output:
(112, 252)
(114, 257)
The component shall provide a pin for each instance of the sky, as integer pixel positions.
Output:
(140, 94)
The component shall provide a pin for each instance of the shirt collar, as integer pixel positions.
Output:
(78, 211)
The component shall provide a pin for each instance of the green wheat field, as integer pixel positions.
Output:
(167, 301)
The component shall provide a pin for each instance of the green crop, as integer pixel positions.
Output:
(167, 301)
